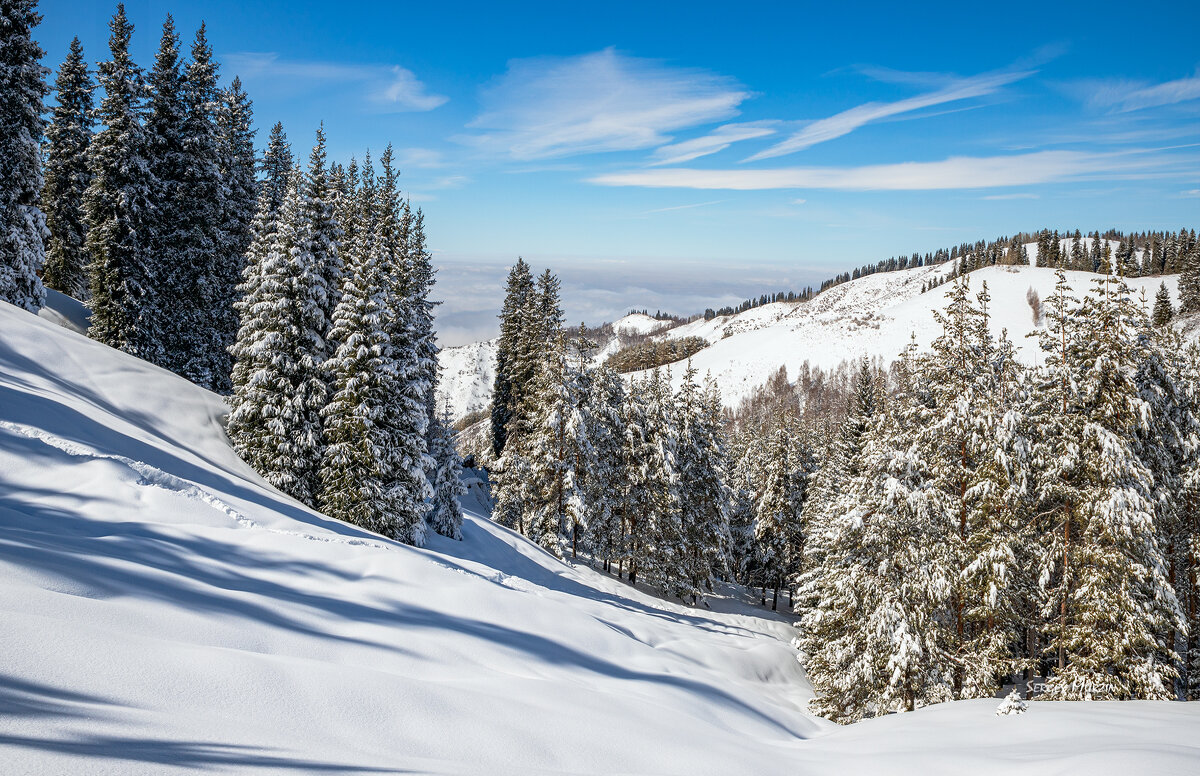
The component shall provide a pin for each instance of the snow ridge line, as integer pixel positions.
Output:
(152, 476)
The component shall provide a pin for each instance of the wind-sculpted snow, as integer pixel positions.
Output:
(165, 611)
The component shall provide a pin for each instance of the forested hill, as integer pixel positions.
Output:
(873, 311)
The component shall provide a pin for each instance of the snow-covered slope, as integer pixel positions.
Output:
(874, 316)
(468, 372)
(165, 611)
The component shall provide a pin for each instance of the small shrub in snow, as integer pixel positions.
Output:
(1012, 705)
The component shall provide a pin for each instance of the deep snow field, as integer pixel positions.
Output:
(162, 610)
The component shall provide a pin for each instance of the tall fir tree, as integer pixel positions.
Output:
(276, 423)
(122, 278)
(67, 176)
(445, 513)
(512, 373)
(277, 169)
(238, 206)
(202, 289)
(1103, 573)
(407, 411)
(163, 237)
(22, 223)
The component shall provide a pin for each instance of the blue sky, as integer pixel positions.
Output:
(677, 155)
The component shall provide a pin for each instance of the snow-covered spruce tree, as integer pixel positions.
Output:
(1103, 573)
(420, 281)
(165, 231)
(122, 278)
(277, 168)
(1187, 548)
(22, 223)
(67, 176)
(237, 169)
(203, 289)
(1169, 444)
(445, 513)
(656, 490)
(511, 371)
(843, 461)
(975, 450)
(743, 553)
(276, 422)
(996, 585)
(406, 413)
(704, 496)
(775, 511)
(604, 491)
(1164, 311)
(324, 237)
(551, 459)
(872, 638)
(1189, 274)
(356, 477)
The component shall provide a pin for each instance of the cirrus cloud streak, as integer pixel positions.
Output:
(961, 172)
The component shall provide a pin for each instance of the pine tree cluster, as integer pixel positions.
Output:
(335, 362)
(633, 475)
(149, 217)
(975, 520)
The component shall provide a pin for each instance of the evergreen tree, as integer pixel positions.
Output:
(445, 514)
(1189, 277)
(775, 513)
(276, 421)
(512, 372)
(202, 288)
(1103, 573)
(406, 413)
(704, 502)
(277, 168)
(1164, 311)
(237, 167)
(872, 639)
(22, 223)
(163, 238)
(122, 278)
(67, 176)
(358, 484)
(661, 554)
(604, 493)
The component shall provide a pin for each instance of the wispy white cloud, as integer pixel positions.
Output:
(1191, 193)
(391, 88)
(849, 120)
(684, 207)
(1126, 96)
(717, 140)
(953, 173)
(549, 107)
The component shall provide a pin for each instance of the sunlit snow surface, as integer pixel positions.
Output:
(164, 611)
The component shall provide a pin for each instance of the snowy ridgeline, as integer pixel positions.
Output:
(166, 610)
(874, 315)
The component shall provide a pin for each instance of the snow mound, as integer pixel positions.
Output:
(637, 323)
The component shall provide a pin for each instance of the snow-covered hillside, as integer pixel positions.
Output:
(874, 315)
(468, 372)
(165, 611)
